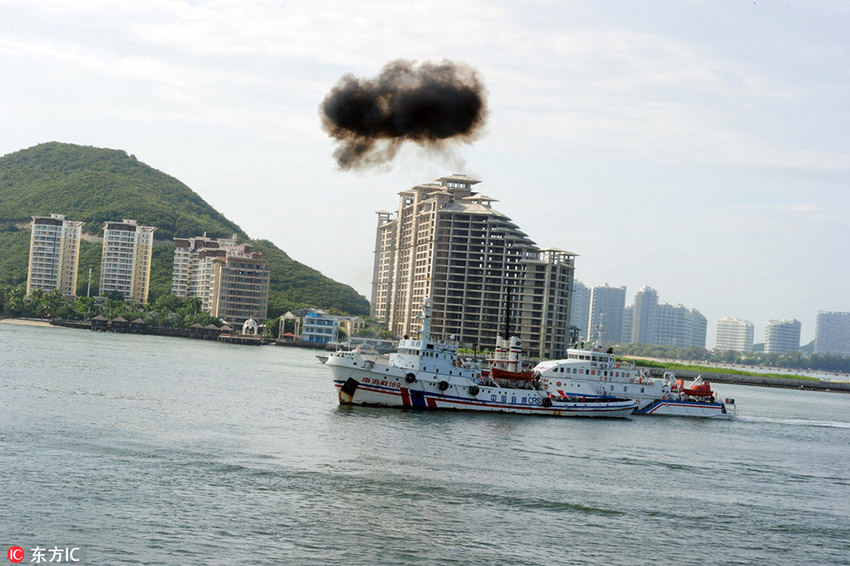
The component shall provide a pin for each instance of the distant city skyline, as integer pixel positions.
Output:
(697, 148)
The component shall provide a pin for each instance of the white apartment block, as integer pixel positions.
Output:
(734, 334)
(679, 326)
(645, 318)
(832, 335)
(126, 263)
(447, 242)
(782, 336)
(54, 254)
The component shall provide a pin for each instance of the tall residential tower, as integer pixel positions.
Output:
(832, 335)
(734, 334)
(606, 313)
(448, 243)
(782, 336)
(126, 263)
(54, 254)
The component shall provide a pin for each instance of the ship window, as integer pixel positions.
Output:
(625, 388)
(574, 370)
(641, 389)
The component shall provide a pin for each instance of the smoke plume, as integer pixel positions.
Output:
(433, 105)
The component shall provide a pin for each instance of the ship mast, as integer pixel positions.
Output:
(425, 333)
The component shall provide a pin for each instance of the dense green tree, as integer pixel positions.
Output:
(96, 185)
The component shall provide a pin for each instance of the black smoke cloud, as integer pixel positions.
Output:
(433, 105)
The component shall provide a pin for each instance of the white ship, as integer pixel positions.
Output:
(430, 375)
(594, 374)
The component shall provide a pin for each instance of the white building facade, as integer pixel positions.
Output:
(832, 335)
(126, 262)
(781, 336)
(734, 334)
(54, 255)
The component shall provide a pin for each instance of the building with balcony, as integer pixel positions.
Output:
(781, 336)
(125, 266)
(192, 271)
(680, 326)
(239, 285)
(447, 242)
(644, 318)
(832, 335)
(54, 255)
(319, 328)
(734, 334)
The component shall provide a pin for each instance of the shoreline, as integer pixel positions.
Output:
(26, 322)
(758, 381)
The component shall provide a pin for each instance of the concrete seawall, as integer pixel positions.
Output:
(761, 381)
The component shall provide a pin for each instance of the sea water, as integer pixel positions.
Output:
(152, 450)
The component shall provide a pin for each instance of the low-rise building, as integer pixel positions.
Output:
(319, 328)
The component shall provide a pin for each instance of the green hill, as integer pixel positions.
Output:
(96, 185)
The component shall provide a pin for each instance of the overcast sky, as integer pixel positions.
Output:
(700, 148)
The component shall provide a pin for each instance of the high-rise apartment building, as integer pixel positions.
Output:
(734, 334)
(782, 336)
(448, 243)
(580, 311)
(645, 318)
(679, 326)
(606, 314)
(628, 323)
(832, 335)
(192, 272)
(239, 285)
(126, 263)
(54, 254)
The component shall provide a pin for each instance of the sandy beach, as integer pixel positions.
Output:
(24, 321)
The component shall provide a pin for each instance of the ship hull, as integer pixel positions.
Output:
(703, 409)
(386, 386)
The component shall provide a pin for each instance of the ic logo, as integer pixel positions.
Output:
(15, 554)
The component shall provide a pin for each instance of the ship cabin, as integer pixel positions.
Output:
(583, 363)
(596, 358)
(425, 356)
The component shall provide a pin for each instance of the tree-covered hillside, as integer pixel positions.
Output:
(96, 185)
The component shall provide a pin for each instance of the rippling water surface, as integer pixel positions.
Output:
(150, 450)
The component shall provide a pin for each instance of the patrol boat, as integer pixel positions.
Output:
(430, 375)
(595, 374)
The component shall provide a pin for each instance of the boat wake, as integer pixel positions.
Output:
(796, 422)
